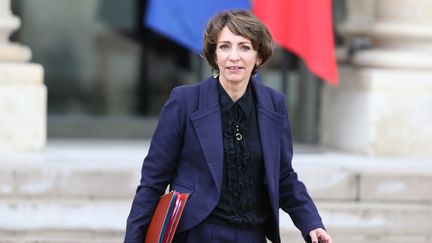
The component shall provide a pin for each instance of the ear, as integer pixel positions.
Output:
(258, 62)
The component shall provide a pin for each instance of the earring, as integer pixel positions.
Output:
(215, 73)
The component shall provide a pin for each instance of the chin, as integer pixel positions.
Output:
(236, 79)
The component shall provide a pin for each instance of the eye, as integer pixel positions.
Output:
(245, 48)
(223, 46)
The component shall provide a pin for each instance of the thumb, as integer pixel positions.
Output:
(313, 236)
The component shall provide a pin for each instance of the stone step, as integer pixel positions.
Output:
(116, 176)
(61, 237)
(377, 186)
(360, 239)
(72, 182)
(104, 219)
(55, 238)
(372, 219)
(350, 177)
(81, 191)
(78, 215)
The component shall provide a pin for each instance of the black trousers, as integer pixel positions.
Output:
(211, 233)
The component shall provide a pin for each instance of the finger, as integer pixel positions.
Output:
(313, 237)
(325, 238)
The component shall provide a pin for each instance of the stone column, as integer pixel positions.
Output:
(22, 92)
(384, 103)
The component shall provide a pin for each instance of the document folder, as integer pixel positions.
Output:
(166, 217)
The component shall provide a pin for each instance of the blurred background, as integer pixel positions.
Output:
(109, 74)
(82, 83)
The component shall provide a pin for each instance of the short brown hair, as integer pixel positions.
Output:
(239, 22)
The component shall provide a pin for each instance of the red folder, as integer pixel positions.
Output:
(166, 217)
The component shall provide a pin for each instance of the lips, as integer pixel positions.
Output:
(234, 68)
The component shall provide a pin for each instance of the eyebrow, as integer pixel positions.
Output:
(241, 43)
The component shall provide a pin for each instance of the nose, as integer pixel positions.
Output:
(234, 55)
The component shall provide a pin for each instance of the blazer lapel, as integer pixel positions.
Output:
(269, 124)
(208, 128)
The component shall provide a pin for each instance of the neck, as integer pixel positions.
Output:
(235, 90)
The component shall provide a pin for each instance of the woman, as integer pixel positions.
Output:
(227, 142)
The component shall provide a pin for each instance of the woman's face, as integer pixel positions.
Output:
(235, 57)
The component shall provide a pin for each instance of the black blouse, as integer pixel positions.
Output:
(244, 199)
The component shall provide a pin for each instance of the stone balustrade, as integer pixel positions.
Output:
(22, 91)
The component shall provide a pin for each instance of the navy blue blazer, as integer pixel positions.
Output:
(186, 152)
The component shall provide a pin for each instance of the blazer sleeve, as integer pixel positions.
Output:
(158, 167)
(293, 196)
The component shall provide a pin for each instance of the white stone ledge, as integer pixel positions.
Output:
(110, 169)
(326, 184)
(386, 238)
(343, 220)
(394, 187)
(77, 183)
(62, 239)
(371, 219)
(329, 184)
(13, 73)
(6, 183)
(64, 215)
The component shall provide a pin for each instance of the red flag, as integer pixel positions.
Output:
(304, 27)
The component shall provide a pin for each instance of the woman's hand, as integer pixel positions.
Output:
(319, 235)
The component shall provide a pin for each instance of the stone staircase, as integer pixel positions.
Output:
(81, 191)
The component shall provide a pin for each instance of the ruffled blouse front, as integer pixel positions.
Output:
(244, 200)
